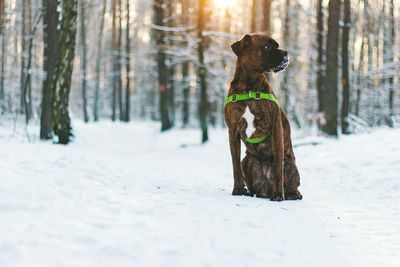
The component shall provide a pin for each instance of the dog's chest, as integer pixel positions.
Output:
(250, 122)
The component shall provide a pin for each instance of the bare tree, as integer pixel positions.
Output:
(128, 64)
(202, 70)
(331, 80)
(115, 59)
(50, 41)
(159, 16)
(26, 89)
(1, 16)
(119, 63)
(98, 61)
(185, 69)
(83, 60)
(320, 60)
(3, 47)
(25, 96)
(62, 78)
(266, 25)
(345, 67)
(254, 16)
(391, 58)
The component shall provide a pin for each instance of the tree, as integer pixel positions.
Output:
(116, 62)
(330, 96)
(98, 61)
(50, 48)
(286, 41)
(1, 16)
(320, 60)
(25, 96)
(128, 64)
(345, 67)
(254, 16)
(202, 70)
(266, 25)
(26, 89)
(119, 63)
(3, 48)
(171, 65)
(159, 33)
(185, 69)
(62, 78)
(391, 58)
(83, 60)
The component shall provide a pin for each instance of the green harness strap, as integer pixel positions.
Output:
(252, 96)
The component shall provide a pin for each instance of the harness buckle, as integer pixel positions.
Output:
(258, 96)
(234, 98)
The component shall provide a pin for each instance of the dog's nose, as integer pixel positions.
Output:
(285, 53)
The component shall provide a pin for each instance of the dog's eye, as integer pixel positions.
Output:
(266, 47)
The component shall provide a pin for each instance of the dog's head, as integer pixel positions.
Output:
(260, 53)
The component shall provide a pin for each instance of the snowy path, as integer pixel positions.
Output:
(125, 195)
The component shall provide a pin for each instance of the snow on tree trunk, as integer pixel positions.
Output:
(62, 79)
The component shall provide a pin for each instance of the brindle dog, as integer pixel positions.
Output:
(269, 168)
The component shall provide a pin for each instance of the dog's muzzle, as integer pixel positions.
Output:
(283, 65)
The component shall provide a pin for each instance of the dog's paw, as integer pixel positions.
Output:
(240, 191)
(293, 195)
(278, 196)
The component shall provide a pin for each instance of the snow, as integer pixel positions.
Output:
(126, 195)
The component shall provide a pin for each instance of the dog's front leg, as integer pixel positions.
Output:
(277, 190)
(234, 144)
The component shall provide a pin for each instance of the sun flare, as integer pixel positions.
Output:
(224, 4)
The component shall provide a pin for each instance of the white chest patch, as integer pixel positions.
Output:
(250, 119)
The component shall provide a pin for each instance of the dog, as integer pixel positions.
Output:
(269, 167)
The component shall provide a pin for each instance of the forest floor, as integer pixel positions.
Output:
(126, 195)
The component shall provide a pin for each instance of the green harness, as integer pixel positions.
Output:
(252, 96)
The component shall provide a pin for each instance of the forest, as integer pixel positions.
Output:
(114, 150)
(170, 61)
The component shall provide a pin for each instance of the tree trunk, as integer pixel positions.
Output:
(331, 79)
(266, 25)
(202, 70)
(360, 76)
(320, 60)
(83, 61)
(286, 74)
(1, 16)
(3, 48)
(171, 66)
(26, 30)
(114, 60)
(119, 61)
(128, 65)
(62, 79)
(345, 67)
(254, 16)
(159, 16)
(185, 70)
(98, 62)
(50, 41)
(26, 85)
(392, 58)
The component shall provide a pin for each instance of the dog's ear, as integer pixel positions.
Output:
(240, 45)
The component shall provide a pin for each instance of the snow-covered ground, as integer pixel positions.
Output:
(126, 195)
